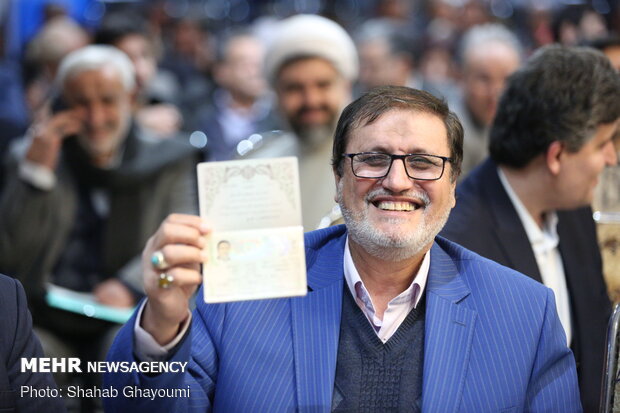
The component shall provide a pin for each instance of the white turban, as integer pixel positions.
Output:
(307, 35)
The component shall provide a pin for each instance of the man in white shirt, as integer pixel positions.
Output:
(394, 318)
(528, 206)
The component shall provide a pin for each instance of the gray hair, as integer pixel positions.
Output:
(389, 33)
(479, 36)
(97, 57)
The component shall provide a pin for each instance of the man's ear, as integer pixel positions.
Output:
(553, 157)
(337, 179)
(453, 194)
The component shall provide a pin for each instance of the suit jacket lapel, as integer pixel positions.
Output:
(316, 328)
(448, 337)
(573, 246)
(509, 232)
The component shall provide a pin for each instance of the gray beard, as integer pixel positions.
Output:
(391, 247)
(315, 135)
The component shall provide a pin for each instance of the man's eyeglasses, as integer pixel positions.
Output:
(377, 165)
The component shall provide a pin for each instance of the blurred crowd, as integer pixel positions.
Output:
(208, 81)
(195, 56)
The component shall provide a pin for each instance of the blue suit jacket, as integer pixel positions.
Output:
(493, 342)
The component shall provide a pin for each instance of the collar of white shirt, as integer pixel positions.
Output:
(542, 240)
(398, 308)
(545, 245)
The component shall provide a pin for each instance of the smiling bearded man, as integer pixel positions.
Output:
(389, 246)
(395, 318)
(379, 223)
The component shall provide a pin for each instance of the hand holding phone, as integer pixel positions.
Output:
(53, 124)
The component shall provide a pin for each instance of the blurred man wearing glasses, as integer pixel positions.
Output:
(395, 319)
(527, 206)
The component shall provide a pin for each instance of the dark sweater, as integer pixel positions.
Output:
(375, 377)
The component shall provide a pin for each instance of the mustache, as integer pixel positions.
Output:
(421, 196)
(304, 109)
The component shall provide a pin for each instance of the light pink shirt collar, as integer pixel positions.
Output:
(398, 308)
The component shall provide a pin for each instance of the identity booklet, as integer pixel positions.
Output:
(256, 247)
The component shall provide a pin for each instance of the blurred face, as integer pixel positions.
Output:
(311, 94)
(242, 72)
(187, 37)
(100, 100)
(378, 67)
(592, 26)
(139, 50)
(396, 217)
(580, 171)
(436, 65)
(485, 73)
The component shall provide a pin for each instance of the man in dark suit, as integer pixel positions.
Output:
(240, 105)
(16, 341)
(527, 206)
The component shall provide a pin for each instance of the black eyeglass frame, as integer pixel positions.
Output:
(444, 159)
